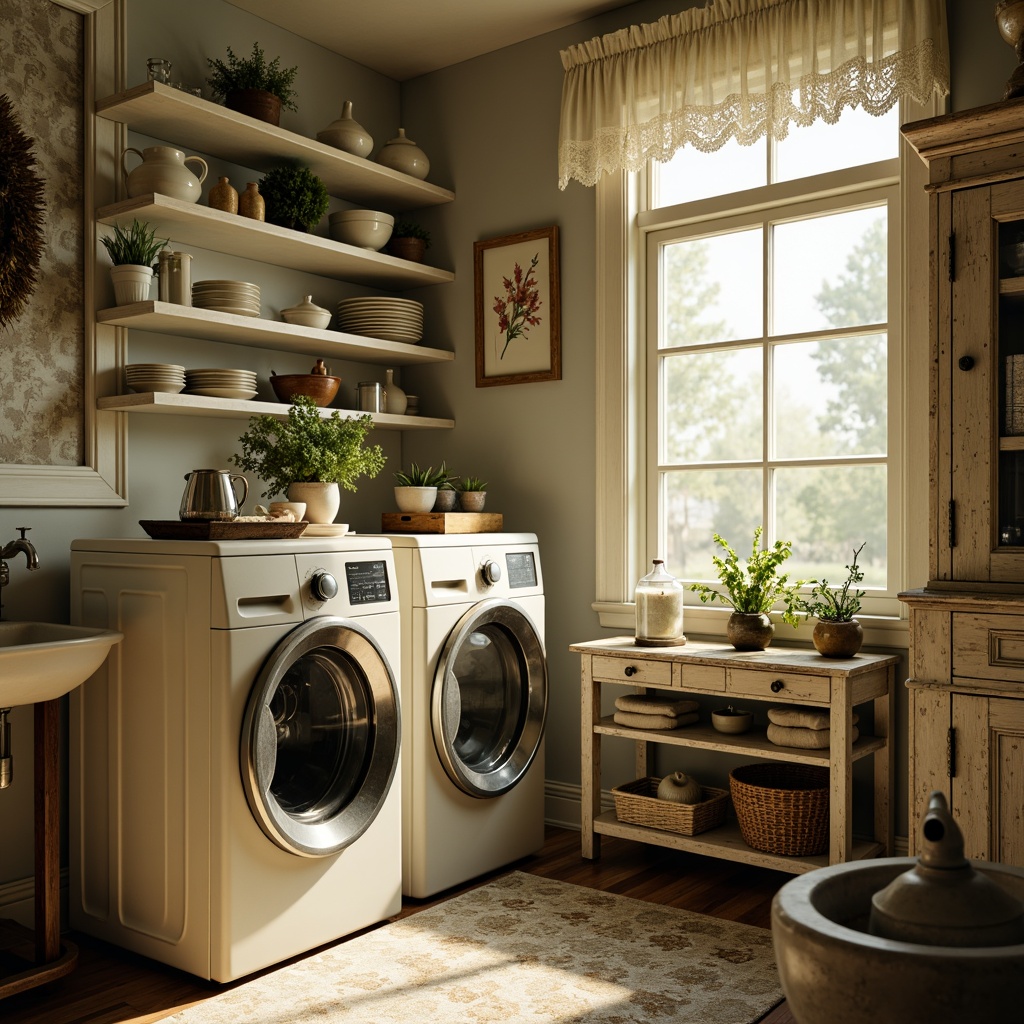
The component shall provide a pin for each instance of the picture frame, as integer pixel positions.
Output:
(518, 308)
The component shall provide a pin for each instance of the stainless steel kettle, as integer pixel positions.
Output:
(210, 495)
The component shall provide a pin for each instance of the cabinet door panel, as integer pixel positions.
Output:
(988, 647)
(1006, 725)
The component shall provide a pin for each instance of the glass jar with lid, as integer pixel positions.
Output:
(659, 609)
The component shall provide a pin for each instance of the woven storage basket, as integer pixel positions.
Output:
(637, 803)
(781, 807)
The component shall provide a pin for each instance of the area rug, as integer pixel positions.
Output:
(521, 950)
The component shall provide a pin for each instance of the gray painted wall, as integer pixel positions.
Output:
(490, 128)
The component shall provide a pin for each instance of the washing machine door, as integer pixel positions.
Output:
(490, 698)
(321, 737)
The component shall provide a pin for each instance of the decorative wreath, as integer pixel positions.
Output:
(21, 216)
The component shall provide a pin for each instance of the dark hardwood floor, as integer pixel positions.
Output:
(111, 986)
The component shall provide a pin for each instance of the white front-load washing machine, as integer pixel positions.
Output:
(235, 785)
(474, 700)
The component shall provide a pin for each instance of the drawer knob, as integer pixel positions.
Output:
(630, 670)
(966, 363)
(777, 685)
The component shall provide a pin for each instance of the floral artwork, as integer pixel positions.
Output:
(517, 308)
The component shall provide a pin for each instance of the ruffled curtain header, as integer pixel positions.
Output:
(741, 69)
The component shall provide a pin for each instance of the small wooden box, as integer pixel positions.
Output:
(441, 522)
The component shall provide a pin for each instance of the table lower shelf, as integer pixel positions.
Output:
(724, 842)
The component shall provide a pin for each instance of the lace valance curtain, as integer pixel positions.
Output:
(741, 69)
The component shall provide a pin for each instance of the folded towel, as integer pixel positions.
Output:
(644, 721)
(809, 739)
(801, 718)
(654, 704)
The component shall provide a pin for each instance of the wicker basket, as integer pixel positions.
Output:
(782, 807)
(637, 803)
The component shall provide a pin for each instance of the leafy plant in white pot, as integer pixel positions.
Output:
(416, 489)
(132, 253)
(309, 456)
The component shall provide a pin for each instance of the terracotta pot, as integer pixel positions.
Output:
(258, 103)
(837, 639)
(749, 631)
(412, 249)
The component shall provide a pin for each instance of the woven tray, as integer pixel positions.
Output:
(781, 807)
(637, 803)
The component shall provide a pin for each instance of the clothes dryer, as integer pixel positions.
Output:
(235, 784)
(475, 698)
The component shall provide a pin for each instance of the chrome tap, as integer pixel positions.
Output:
(9, 550)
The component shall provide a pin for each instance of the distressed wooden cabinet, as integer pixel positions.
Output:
(775, 676)
(966, 728)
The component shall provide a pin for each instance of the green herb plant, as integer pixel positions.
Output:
(472, 483)
(295, 196)
(416, 477)
(138, 245)
(253, 72)
(408, 229)
(308, 447)
(837, 604)
(758, 585)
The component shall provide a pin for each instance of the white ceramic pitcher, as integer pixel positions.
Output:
(164, 170)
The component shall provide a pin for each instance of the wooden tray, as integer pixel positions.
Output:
(441, 522)
(198, 529)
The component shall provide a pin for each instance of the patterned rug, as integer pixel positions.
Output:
(521, 950)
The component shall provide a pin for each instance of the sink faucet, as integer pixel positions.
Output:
(9, 550)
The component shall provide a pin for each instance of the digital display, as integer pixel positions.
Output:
(522, 572)
(368, 581)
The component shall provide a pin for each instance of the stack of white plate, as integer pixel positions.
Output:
(221, 383)
(167, 378)
(239, 297)
(386, 318)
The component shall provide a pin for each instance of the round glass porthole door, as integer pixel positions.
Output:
(490, 698)
(320, 737)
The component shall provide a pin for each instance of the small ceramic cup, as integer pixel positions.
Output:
(297, 508)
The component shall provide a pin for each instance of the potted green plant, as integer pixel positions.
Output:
(132, 251)
(837, 634)
(309, 456)
(752, 590)
(295, 197)
(417, 488)
(253, 85)
(409, 241)
(447, 490)
(472, 494)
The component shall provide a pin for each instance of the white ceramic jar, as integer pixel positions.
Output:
(347, 134)
(402, 154)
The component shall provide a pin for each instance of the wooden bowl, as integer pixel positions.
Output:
(317, 386)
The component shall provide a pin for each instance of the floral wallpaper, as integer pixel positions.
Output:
(42, 353)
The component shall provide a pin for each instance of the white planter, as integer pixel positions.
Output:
(131, 283)
(322, 500)
(415, 499)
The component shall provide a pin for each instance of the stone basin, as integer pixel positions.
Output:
(41, 661)
(834, 972)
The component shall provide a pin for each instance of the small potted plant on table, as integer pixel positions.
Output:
(253, 85)
(837, 634)
(752, 590)
(132, 252)
(310, 456)
(408, 241)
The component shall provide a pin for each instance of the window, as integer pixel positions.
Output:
(759, 328)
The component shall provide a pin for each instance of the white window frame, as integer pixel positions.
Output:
(621, 407)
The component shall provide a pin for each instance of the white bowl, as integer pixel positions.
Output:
(367, 229)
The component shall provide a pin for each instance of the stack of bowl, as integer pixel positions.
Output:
(239, 297)
(218, 383)
(367, 229)
(167, 378)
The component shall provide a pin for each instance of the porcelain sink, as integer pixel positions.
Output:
(41, 661)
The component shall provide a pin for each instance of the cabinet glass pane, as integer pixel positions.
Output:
(1010, 384)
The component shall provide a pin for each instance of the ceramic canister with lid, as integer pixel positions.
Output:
(402, 154)
(659, 609)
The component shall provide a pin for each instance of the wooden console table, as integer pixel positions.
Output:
(774, 676)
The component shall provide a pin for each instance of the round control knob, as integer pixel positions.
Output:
(966, 362)
(490, 572)
(323, 586)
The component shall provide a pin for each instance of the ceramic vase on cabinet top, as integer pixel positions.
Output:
(223, 196)
(402, 154)
(322, 500)
(251, 204)
(164, 170)
(347, 134)
(837, 639)
(394, 400)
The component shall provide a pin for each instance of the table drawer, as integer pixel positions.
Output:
(988, 646)
(745, 682)
(698, 677)
(635, 672)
